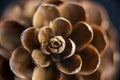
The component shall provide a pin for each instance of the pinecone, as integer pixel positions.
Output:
(22, 11)
(69, 40)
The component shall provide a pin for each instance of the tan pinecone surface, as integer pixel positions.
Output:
(57, 40)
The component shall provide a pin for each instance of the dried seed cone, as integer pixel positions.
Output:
(57, 40)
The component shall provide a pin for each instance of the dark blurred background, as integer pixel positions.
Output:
(112, 7)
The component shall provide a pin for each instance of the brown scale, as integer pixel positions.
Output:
(57, 40)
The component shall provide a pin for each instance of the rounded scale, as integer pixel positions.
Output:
(61, 26)
(40, 59)
(49, 73)
(10, 32)
(90, 60)
(72, 11)
(44, 14)
(82, 35)
(100, 40)
(29, 39)
(70, 65)
(21, 63)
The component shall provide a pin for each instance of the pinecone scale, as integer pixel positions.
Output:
(68, 40)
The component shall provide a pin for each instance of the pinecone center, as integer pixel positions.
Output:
(56, 44)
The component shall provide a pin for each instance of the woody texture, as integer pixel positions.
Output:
(57, 40)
